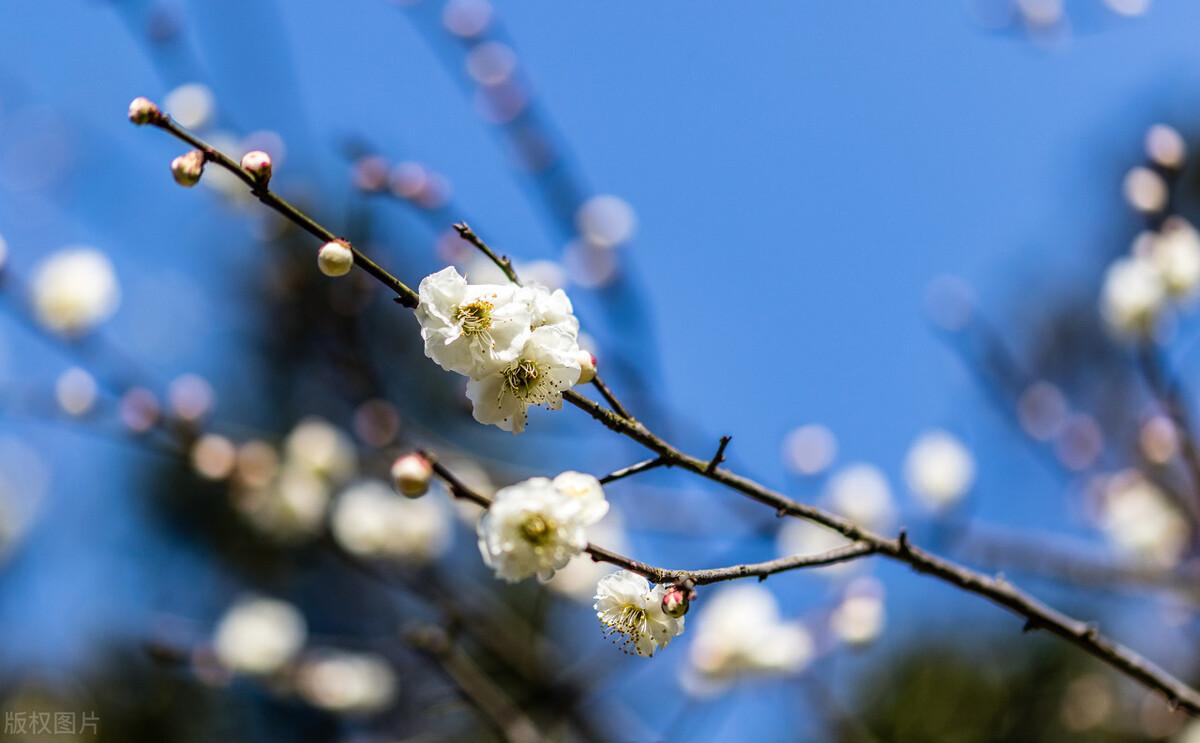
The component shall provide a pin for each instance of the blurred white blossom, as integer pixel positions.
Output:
(739, 632)
(606, 221)
(1133, 296)
(290, 507)
(191, 104)
(322, 449)
(803, 537)
(860, 492)
(369, 519)
(1175, 252)
(74, 290)
(1141, 522)
(353, 683)
(860, 617)
(939, 470)
(630, 610)
(259, 635)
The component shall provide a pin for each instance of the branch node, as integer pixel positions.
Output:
(1030, 626)
(719, 456)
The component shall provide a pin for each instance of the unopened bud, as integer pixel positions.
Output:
(143, 111)
(675, 602)
(188, 168)
(258, 164)
(587, 366)
(411, 474)
(335, 258)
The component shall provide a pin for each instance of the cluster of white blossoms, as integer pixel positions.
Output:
(74, 290)
(518, 345)
(1141, 522)
(535, 527)
(287, 497)
(1162, 270)
(740, 633)
(631, 610)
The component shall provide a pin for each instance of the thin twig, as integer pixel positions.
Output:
(609, 397)
(503, 262)
(719, 456)
(633, 469)
(263, 193)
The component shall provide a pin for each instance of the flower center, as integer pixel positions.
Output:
(537, 530)
(522, 378)
(474, 318)
(629, 622)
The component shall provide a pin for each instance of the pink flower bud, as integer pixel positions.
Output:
(411, 474)
(335, 258)
(258, 164)
(188, 167)
(675, 602)
(143, 111)
(587, 366)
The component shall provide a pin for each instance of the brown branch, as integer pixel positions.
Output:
(1036, 614)
(503, 262)
(488, 697)
(719, 457)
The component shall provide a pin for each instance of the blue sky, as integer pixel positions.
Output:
(800, 170)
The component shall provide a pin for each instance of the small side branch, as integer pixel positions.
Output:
(610, 398)
(719, 456)
(501, 261)
(633, 469)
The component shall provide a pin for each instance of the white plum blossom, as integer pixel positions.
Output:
(630, 609)
(518, 345)
(1133, 296)
(739, 633)
(550, 309)
(370, 519)
(547, 365)
(472, 330)
(74, 290)
(339, 681)
(939, 470)
(1140, 521)
(534, 528)
(259, 635)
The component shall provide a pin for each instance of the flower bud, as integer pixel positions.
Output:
(675, 602)
(143, 111)
(258, 164)
(587, 366)
(188, 168)
(411, 474)
(335, 258)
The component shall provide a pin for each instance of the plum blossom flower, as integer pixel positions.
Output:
(74, 290)
(630, 609)
(1175, 251)
(550, 309)
(1141, 522)
(547, 365)
(531, 528)
(472, 330)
